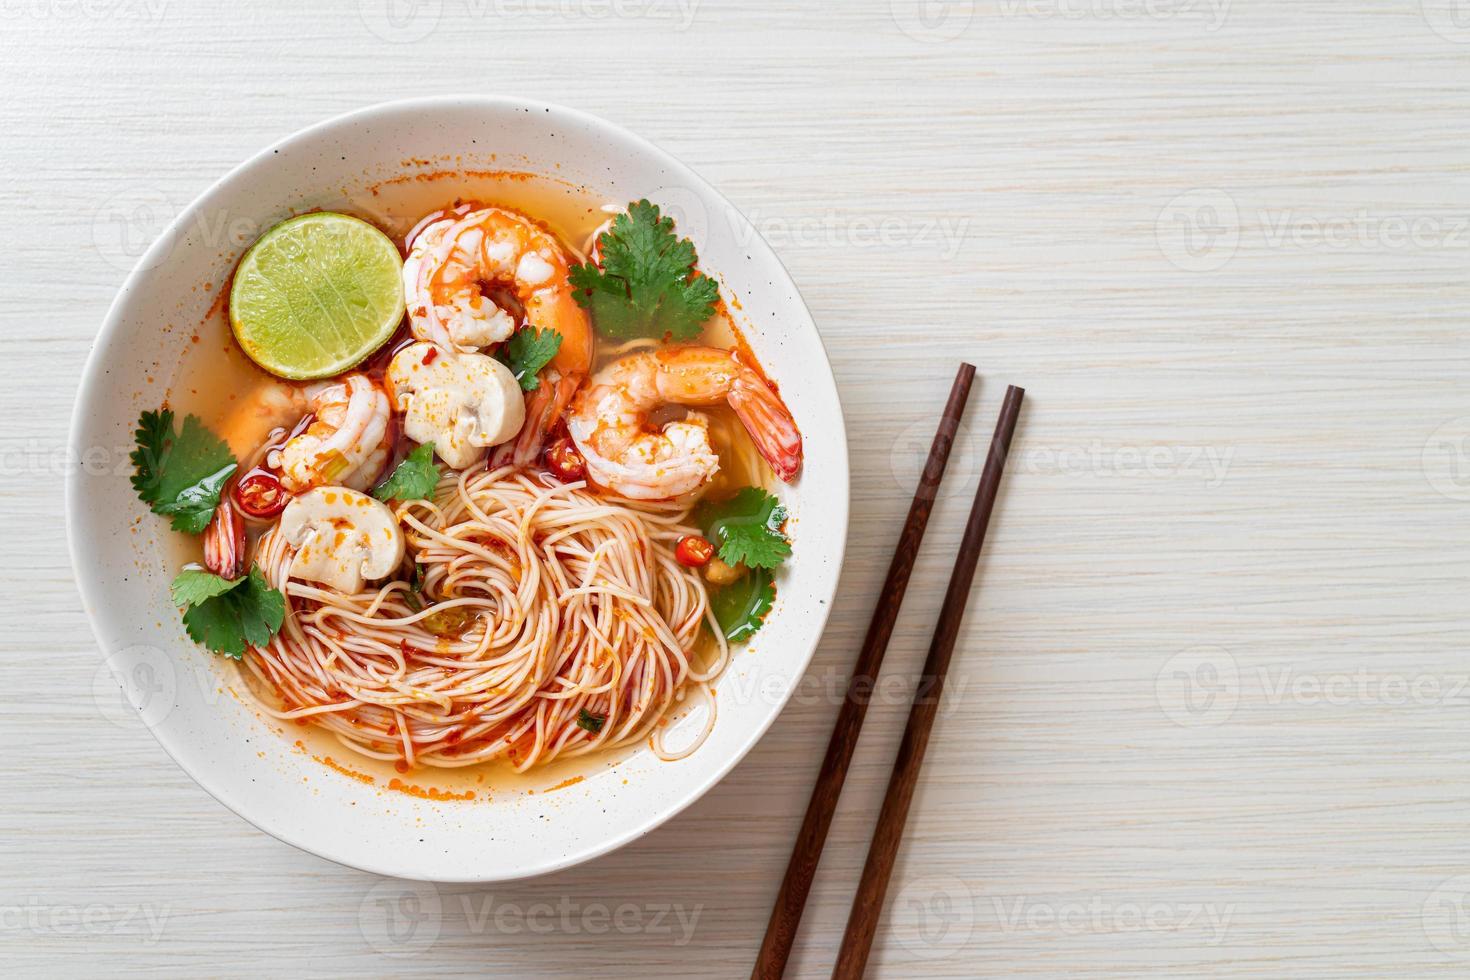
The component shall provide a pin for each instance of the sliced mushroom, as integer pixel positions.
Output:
(342, 538)
(462, 403)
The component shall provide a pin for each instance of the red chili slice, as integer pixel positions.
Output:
(261, 495)
(693, 551)
(565, 461)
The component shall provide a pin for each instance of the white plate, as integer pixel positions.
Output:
(124, 557)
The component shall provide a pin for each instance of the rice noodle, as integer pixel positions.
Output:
(570, 603)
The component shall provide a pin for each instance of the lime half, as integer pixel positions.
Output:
(316, 295)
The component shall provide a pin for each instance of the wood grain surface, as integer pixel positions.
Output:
(1210, 713)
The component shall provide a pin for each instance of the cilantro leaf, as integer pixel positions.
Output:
(647, 285)
(414, 478)
(589, 722)
(527, 352)
(180, 475)
(740, 608)
(746, 528)
(193, 586)
(227, 616)
(154, 437)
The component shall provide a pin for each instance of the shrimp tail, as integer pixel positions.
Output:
(224, 539)
(544, 407)
(770, 425)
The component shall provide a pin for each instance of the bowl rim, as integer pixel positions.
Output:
(95, 367)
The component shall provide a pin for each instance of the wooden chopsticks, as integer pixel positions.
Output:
(867, 904)
(791, 899)
(868, 901)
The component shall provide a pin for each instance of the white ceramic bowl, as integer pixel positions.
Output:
(125, 557)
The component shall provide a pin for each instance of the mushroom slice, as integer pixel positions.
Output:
(462, 403)
(341, 538)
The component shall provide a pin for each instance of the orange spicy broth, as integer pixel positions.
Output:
(218, 383)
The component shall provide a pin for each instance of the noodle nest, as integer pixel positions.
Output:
(541, 621)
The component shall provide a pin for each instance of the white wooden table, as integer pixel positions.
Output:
(1212, 712)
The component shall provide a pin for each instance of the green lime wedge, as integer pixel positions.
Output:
(316, 295)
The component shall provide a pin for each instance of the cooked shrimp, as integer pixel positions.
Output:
(345, 443)
(609, 421)
(259, 416)
(452, 259)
